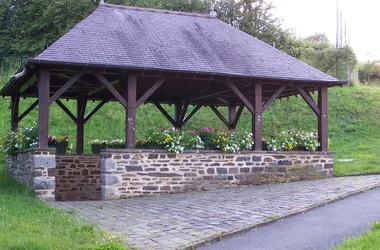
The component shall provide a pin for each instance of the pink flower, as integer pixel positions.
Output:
(265, 138)
(194, 132)
(210, 129)
(274, 132)
(204, 130)
(315, 134)
(290, 132)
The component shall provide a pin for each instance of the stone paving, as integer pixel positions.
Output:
(181, 221)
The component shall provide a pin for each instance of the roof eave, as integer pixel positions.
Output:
(120, 67)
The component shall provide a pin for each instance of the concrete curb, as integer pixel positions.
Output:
(238, 231)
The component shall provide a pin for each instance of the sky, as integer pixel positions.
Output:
(307, 17)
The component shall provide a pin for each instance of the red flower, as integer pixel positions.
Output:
(50, 138)
(290, 132)
(204, 130)
(315, 134)
(66, 137)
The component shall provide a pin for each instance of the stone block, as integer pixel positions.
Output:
(243, 158)
(150, 188)
(329, 165)
(47, 161)
(107, 164)
(134, 169)
(256, 158)
(109, 180)
(221, 170)
(233, 170)
(284, 162)
(257, 169)
(244, 170)
(42, 183)
(211, 171)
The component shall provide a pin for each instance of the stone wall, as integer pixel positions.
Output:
(36, 169)
(127, 173)
(78, 177)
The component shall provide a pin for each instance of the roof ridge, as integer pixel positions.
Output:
(163, 11)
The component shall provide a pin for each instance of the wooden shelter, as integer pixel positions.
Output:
(135, 56)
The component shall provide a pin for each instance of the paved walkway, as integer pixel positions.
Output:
(182, 220)
(319, 229)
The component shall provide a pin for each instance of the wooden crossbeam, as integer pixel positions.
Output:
(192, 113)
(96, 109)
(237, 116)
(210, 95)
(241, 97)
(274, 97)
(182, 114)
(109, 86)
(67, 111)
(28, 110)
(309, 100)
(221, 117)
(97, 90)
(163, 111)
(69, 77)
(29, 83)
(150, 91)
(65, 87)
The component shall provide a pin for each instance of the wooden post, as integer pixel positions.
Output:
(131, 111)
(177, 115)
(231, 116)
(323, 118)
(43, 107)
(257, 116)
(15, 100)
(81, 110)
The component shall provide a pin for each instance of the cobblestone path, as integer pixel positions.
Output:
(182, 220)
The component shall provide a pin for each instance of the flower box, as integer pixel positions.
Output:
(60, 148)
(95, 148)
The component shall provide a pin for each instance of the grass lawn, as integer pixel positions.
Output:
(28, 223)
(368, 241)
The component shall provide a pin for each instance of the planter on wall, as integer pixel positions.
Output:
(60, 148)
(95, 149)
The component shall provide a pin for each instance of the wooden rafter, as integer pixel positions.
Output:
(241, 97)
(97, 90)
(237, 116)
(67, 111)
(15, 102)
(182, 114)
(220, 115)
(163, 111)
(109, 86)
(192, 113)
(29, 83)
(273, 97)
(65, 87)
(150, 91)
(309, 100)
(96, 109)
(26, 112)
(69, 77)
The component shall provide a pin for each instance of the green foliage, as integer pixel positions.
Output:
(368, 241)
(21, 139)
(28, 223)
(287, 141)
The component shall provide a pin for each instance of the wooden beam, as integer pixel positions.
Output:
(231, 115)
(182, 114)
(67, 111)
(15, 102)
(309, 100)
(28, 110)
(81, 110)
(29, 83)
(163, 111)
(274, 97)
(192, 113)
(221, 117)
(257, 116)
(93, 112)
(241, 97)
(237, 116)
(323, 118)
(131, 118)
(43, 107)
(109, 86)
(65, 87)
(150, 91)
(69, 77)
(97, 90)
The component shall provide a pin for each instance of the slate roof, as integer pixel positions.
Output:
(165, 40)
